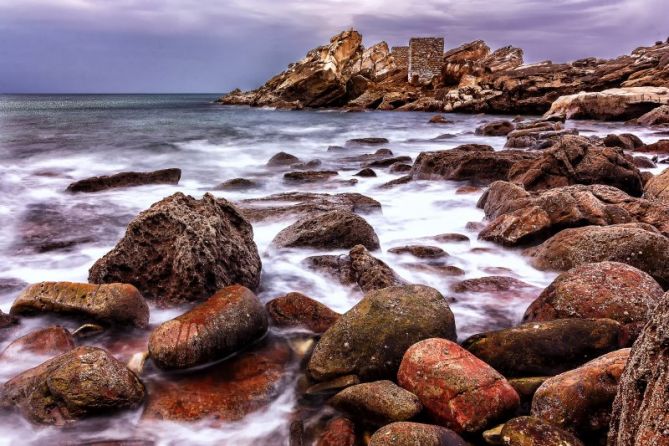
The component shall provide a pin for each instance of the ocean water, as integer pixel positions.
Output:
(49, 141)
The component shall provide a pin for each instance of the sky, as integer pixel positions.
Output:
(213, 46)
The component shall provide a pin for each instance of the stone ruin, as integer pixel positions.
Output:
(426, 57)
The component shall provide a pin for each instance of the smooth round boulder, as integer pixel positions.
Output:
(282, 159)
(415, 434)
(370, 339)
(610, 290)
(545, 348)
(227, 322)
(377, 403)
(108, 303)
(183, 249)
(458, 390)
(337, 229)
(580, 400)
(636, 244)
(83, 382)
(534, 431)
(297, 310)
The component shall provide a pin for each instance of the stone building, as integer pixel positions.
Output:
(426, 57)
(401, 56)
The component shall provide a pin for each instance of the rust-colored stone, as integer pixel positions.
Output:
(296, 309)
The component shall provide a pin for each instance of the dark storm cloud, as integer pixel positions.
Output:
(189, 45)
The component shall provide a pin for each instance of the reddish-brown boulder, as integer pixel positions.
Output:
(627, 141)
(227, 322)
(534, 431)
(310, 176)
(657, 188)
(339, 431)
(404, 433)
(282, 159)
(657, 116)
(456, 388)
(599, 290)
(183, 249)
(126, 179)
(580, 400)
(109, 303)
(50, 341)
(495, 128)
(420, 251)
(661, 146)
(296, 309)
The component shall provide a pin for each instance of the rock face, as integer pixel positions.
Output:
(635, 244)
(415, 434)
(108, 303)
(657, 188)
(580, 400)
(457, 389)
(370, 339)
(296, 309)
(599, 290)
(639, 414)
(329, 230)
(518, 216)
(377, 403)
(545, 348)
(575, 160)
(656, 116)
(85, 381)
(225, 391)
(533, 431)
(183, 249)
(228, 321)
(613, 104)
(126, 179)
(468, 162)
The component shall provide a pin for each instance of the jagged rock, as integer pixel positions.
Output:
(457, 390)
(575, 160)
(579, 401)
(183, 249)
(404, 433)
(519, 216)
(636, 244)
(375, 63)
(126, 179)
(656, 116)
(495, 128)
(108, 303)
(85, 381)
(503, 59)
(463, 61)
(334, 229)
(370, 339)
(657, 188)
(302, 204)
(296, 309)
(599, 290)
(534, 431)
(545, 348)
(227, 322)
(377, 403)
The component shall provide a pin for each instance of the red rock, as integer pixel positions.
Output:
(50, 341)
(296, 309)
(339, 431)
(457, 389)
(405, 433)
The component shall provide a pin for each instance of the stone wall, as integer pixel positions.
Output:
(426, 56)
(401, 56)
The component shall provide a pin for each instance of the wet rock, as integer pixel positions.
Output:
(305, 203)
(468, 162)
(457, 389)
(370, 141)
(439, 119)
(536, 134)
(661, 146)
(580, 400)
(282, 159)
(534, 431)
(10, 285)
(333, 386)
(495, 128)
(225, 391)
(237, 184)
(414, 434)
(520, 217)
(386, 162)
(657, 188)
(108, 303)
(371, 273)
(626, 141)
(420, 251)
(643, 162)
(309, 176)
(635, 244)
(308, 165)
(639, 416)
(296, 309)
(610, 105)
(396, 182)
(599, 290)
(366, 172)
(377, 403)
(489, 284)
(337, 267)
(575, 160)
(657, 116)
(6, 321)
(526, 387)
(227, 322)
(83, 382)
(370, 339)
(545, 348)
(50, 341)
(400, 168)
(126, 179)
(451, 238)
(329, 230)
(183, 249)
(339, 431)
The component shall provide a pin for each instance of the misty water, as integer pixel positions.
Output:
(47, 142)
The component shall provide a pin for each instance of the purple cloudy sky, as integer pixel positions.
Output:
(216, 45)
